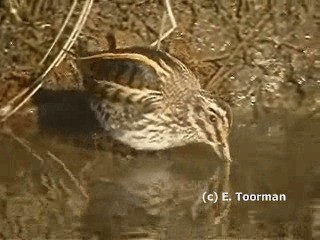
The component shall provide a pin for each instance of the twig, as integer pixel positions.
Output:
(11, 112)
(217, 58)
(173, 22)
(76, 31)
(14, 11)
(280, 44)
(25, 145)
(163, 22)
(69, 173)
(37, 7)
(37, 84)
(75, 2)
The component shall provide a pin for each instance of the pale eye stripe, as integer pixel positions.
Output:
(227, 112)
(217, 133)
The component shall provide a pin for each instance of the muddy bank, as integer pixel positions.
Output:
(263, 57)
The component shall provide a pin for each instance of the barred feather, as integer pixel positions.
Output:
(154, 101)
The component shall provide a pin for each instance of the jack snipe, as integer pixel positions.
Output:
(150, 100)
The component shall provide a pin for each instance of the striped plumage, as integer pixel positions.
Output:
(150, 100)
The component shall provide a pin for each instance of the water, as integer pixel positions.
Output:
(149, 195)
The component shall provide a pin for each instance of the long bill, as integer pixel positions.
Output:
(222, 150)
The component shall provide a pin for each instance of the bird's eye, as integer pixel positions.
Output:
(212, 119)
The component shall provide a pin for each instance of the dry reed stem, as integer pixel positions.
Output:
(287, 45)
(70, 174)
(217, 58)
(217, 76)
(75, 2)
(163, 21)
(37, 84)
(76, 31)
(24, 143)
(173, 22)
(14, 11)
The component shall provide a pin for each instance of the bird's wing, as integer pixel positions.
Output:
(140, 71)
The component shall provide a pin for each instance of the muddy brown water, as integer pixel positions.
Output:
(149, 195)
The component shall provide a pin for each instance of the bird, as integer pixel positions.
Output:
(150, 100)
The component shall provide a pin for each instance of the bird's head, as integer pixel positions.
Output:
(213, 120)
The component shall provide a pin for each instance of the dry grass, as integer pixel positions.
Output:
(24, 96)
(173, 22)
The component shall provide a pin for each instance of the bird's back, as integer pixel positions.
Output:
(138, 68)
(140, 88)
